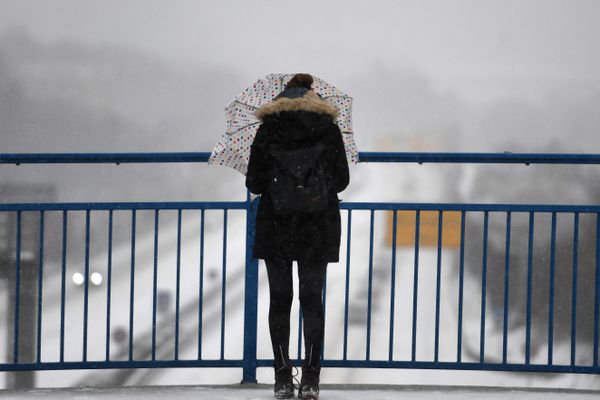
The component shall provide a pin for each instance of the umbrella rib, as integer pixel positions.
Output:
(244, 104)
(244, 127)
(335, 95)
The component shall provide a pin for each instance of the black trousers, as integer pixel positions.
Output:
(311, 276)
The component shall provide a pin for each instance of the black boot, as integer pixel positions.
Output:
(311, 369)
(284, 384)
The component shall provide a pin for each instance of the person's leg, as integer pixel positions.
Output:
(311, 277)
(281, 293)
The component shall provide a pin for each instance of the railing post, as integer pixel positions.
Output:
(250, 296)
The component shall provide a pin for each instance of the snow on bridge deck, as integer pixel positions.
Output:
(328, 392)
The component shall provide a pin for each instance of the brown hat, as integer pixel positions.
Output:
(300, 80)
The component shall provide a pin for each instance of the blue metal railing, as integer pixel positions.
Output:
(247, 359)
(396, 157)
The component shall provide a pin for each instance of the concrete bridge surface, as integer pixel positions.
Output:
(328, 392)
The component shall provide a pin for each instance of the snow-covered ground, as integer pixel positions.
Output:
(264, 392)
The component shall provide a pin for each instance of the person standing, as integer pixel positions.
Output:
(297, 140)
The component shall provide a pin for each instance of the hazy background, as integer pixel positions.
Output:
(150, 75)
(491, 73)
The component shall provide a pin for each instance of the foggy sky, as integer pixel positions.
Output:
(478, 48)
(463, 75)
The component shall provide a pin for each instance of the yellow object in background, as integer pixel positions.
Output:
(428, 228)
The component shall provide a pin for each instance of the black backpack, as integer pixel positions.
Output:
(299, 182)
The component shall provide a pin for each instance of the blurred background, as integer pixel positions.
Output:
(143, 75)
(150, 75)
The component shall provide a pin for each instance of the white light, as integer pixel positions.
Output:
(96, 278)
(78, 278)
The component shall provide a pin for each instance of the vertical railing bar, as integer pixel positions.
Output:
(109, 283)
(461, 286)
(132, 284)
(40, 288)
(155, 282)
(178, 284)
(529, 287)
(438, 284)
(393, 283)
(370, 287)
(86, 283)
(201, 285)
(347, 290)
(597, 292)
(17, 288)
(223, 284)
(506, 289)
(63, 288)
(551, 289)
(324, 299)
(415, 286)
(483, 287)
(574, 287)
(251, 282)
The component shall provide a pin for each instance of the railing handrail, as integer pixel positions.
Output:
(344, 205)
(396, 157)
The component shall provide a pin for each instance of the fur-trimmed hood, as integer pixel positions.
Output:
(309, 102)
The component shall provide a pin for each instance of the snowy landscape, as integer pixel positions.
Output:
(212, 267)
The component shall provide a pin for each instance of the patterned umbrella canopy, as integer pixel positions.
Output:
(233, 149)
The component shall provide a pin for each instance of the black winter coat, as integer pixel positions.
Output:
(296, 124)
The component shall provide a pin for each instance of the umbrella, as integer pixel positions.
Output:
(233, 149)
